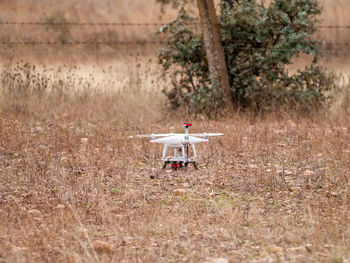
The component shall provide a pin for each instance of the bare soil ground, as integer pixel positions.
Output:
(75, 188)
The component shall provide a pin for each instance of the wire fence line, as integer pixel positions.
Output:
(81, 43)
(88, 23)
(129, 24)
(141, 42)
(326, 47)
(137, 49)
(123, 50)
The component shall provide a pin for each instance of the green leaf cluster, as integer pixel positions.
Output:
(259, 40)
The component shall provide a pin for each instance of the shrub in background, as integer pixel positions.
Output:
(259, 41)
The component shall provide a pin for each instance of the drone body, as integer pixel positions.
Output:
(180, 142)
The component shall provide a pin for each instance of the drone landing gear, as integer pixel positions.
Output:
(180, 159)
(178, 165)
(175, 165)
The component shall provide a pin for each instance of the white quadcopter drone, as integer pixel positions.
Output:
(180, 142)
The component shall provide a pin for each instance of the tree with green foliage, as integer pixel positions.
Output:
(259, 41)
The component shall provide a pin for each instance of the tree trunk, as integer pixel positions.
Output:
(215, 53)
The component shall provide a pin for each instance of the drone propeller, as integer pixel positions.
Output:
(154, 135)
(171, 134)
(205, 134)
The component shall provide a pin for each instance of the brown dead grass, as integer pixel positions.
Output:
(76, 11)
(140, 11)
(75, 188)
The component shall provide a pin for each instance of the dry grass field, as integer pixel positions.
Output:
(75, 188)
(335, 13)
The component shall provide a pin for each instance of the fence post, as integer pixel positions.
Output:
(215, 53)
